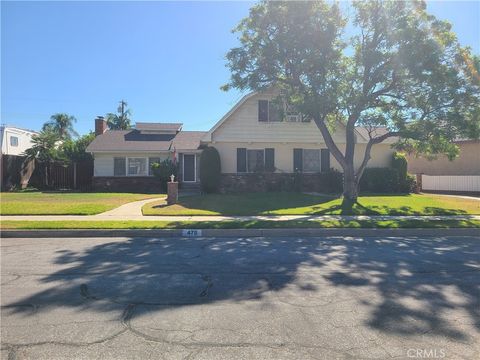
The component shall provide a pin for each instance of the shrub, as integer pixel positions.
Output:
(409, 185)
(406, 182)
(163, 171)
(380, 180)
(210, 170)
(331, 181)
(399, 162)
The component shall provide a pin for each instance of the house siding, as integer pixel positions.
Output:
(24, 138)
(103, 162)
(381, 154)
(243, 124)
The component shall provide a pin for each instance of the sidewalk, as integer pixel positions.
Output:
(118, 217)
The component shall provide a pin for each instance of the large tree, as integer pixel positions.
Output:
(62, 124)
(120, 120)
(400, 73)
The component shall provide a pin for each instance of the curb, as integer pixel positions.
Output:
(182, 233)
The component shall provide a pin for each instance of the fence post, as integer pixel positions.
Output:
(75, 175)
(419, 182)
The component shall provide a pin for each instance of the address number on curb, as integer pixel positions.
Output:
(191, 233)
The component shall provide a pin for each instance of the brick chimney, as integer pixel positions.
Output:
(100, 125)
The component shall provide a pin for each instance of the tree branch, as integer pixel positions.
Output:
(327, 137)
(368, 150)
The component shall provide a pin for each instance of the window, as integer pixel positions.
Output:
(152, 161)
(255, 160)
(119, 166)
(137, 166)
(311, 160)
(272, 111)
(13, 141)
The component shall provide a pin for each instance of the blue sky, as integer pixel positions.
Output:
(166, 59)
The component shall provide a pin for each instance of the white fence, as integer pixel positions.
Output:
(451, 183)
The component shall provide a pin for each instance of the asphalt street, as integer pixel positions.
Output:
(240, 298)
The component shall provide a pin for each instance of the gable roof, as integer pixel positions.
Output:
(208, 134)
(363, 131)
(188, 140)
(135, 141)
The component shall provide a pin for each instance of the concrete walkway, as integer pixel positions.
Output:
(120, 217)
(133, 208)
(458, 196)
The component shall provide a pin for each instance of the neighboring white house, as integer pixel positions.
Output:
(15, 140)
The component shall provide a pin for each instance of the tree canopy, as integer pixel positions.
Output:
(121, 120)
(62, 124)
(402, 73)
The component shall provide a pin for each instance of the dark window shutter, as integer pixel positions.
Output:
(262, 110)
(325, 160)
(297, 160)
(270, 159)
(241, 160)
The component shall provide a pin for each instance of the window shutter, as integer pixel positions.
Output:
(241, 160)
(297, 160)
(263, 110)
(270, 159)
(325, 160)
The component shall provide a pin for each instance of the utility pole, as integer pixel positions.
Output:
(122, 107)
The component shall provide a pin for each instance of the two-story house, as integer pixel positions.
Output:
(252, 138)
(14, 140)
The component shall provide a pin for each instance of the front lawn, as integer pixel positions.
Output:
(57, 203)
(250, 224)
(304, 204)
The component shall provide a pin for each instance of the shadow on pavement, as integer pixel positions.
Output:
(414, 283)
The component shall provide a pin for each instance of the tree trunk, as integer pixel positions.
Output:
(350, 185)
(28, 167)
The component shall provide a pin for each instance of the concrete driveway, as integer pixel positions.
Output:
(240, 298)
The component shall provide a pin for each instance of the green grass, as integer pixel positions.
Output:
(303, 204)
(57, 203)
(253, 224)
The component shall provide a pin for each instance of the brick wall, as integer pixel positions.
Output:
(139, 184)
(330, 182)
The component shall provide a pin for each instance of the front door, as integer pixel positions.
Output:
(189, 168)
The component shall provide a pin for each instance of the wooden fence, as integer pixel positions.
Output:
(53, 176)
(467, 183)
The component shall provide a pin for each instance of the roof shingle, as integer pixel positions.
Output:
(134, 140)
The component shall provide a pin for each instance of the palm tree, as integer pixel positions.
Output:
(44, 149)
(120, 121)
(62, 124)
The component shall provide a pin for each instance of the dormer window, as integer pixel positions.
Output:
(273, 111)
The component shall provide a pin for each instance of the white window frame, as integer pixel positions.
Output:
(319, 161)
(194, 167)
(286, 112)
(14, 137)
(246, 156)
(147, 159)
(136, 157)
